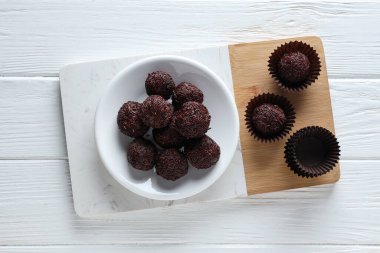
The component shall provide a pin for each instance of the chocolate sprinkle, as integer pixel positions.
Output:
(171, 164)
(156, 112)
(192, 120)
(268, 119)
(128, 120)
(203, 152)
(186, 92)
(141, 154)
(168, 137)
(294, 67)
(159, 83)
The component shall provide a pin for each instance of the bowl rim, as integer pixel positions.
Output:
(228, 157)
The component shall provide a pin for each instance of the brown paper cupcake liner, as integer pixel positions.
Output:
(269, 98)
(289, 47)
(312, 151)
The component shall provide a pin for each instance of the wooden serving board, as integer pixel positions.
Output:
(264, 163)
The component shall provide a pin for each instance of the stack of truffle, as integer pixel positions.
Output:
(183, 123)
(310, 151)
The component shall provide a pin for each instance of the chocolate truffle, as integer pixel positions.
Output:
(192, 120)
(159, 83)
(171, 164)
(128, 120)
(202, 152)
(294, 67)
(156, 112)
(141, 154)
(268, 119)
(168, 137)
(185, 92)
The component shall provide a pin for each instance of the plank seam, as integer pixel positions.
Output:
(218, 245)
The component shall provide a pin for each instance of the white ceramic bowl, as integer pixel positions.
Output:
(129, 85)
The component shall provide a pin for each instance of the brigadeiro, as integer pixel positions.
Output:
(294, 65)
(159, 83)
(171, 164)
(128, 120)
(185, 92)
(192, 120)
(156, 112)
(168, 137)
(312, 151)
(141, 154)
(203, 152)
(269, 117)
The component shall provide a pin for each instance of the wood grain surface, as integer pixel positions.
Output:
(264, 163)
(39, 39)
(36, 209)
(185, 248)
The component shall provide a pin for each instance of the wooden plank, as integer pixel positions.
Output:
(38, 39)
(356, 107)
(264, 163)
(36, 209)
(36, 101)
(180, 248)
(31, 119)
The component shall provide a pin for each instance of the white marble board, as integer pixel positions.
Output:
(96, 194)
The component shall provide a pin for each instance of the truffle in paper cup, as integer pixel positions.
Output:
(294, 65)
(269, 117)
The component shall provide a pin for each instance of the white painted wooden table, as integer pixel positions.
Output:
(36, 209)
